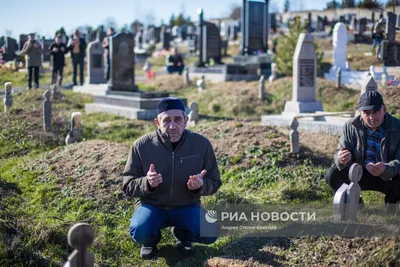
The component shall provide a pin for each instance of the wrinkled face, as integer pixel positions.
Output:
(372, 118)
(173, 123)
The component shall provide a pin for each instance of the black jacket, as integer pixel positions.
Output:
(58, 57)
(82, 46)
(193, 154)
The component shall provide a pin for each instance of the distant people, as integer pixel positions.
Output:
(33, 51)
(175, 62)
(77, 46)
(106, 46)
(58, 50)
(377, 32)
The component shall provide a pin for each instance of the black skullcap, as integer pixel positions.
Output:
(169, 103)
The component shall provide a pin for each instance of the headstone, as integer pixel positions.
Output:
(362, 26)
(320, 24)
(372, 71)
(122, 59)
(186, 75)
(10, 49)
(166, 38)
(342, 19)
(339, 45)
(95, 63)
(261, 88)
(193, 116)
(373, 17)
(339, 203)
(8, 99)
(47, 111)
(338, 77)
(75, 133)
(80, 237)
(369, 84)
(274, 72)
(45, 46)
(294, 136)
(309, 22)
(212, 44)
(254, 27)
(139, 40)
(304, 78)
(391, 26)
(23, 38)
(201, 84)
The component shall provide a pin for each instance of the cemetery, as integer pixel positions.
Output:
(274, 117)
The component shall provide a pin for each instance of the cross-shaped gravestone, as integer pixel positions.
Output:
(186, 76)
(193, 116)
(80, 237)
(338, 77)
(47, 111)
(261, 88)
(347, 197)
(8, 99)
(201, 84)
(75, 134)
(294, 136)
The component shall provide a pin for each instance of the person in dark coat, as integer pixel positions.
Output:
(58, 50)
(77, 47)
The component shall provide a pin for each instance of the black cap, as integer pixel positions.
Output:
(371, 100)
(169, 103)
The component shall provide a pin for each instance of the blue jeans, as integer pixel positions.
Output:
(172, 69)
(189, 222)
(376, 41)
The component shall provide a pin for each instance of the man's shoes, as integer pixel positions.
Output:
(148, 252)
(183, 247)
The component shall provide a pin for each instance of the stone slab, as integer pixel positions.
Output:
(302, 106)
(129, 101)
(130, 113)
(92, 89)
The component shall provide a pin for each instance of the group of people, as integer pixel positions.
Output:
(76, 46)
(169, 169)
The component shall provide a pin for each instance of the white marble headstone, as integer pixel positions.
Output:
(339, 41)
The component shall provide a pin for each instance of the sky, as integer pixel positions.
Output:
(46, 16)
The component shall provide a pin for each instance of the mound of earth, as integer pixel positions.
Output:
(90, 169)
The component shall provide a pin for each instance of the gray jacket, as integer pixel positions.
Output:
(354, 139)
(34, 55)
(193, 154)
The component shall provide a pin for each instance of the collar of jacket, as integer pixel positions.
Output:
(165, 140)
(387, 123)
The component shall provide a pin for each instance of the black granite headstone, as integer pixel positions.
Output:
(213, 45)
(256, 27)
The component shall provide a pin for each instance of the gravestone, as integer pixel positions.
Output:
(347, 197)
(193, 116)
(373, 17)
(391, 26)
(8, 99)
(362, 26)
(122, 59)
(166, 38)
(47, 111)
(309, 22)
(338, 77)
(95, 63)
(139, 40)
(261, 87)
(201, 84)
(10, 49)
(342, 19)
(80, 237)
(212, 44)
(339, 41)
(304, 78)
(186, 76)
(254, 20)
(45, 46)
(320, 24)
(369, 84)
(294, 136)
(273, 21)
(75, 133)
(274, 72)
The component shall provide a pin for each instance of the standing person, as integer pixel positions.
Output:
(77, 46)
(371, 139)
(106, 46)
(58, 50)
(33, 51)
(377, 32)
(169, 170)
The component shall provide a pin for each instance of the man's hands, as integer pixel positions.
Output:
(55, 49)
(344, 156)
(153, 177)
(62, 49)
(196, 181)
(36, 45)
(376, 169)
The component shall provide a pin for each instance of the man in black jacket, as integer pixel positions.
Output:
(58, 50)
(77, 46)
(169, 170)
(372, 140)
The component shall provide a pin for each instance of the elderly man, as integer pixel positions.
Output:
(77, 46)
(33, 51)
(372, 140)
(169, 170)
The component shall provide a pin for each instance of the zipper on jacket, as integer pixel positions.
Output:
(189, 157)
(172, 177)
